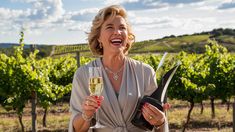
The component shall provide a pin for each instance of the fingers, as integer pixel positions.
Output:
(152, 114)
(91, 104)
(166, 106)
(148, 114)
(154, 109)
(101, 98)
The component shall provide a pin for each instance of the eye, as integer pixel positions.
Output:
(123, 28)
(109, 27)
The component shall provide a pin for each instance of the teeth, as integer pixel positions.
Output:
(116, 41)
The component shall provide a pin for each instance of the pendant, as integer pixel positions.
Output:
(115, 77)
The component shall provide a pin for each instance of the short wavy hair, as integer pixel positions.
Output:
(100, 18)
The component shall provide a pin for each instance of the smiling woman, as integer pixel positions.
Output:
(124, 80)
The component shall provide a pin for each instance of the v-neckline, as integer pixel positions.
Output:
(109, 81)
(112, 96)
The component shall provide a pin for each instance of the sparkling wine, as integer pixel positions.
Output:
(96, 85)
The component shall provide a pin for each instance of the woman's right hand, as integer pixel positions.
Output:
(91, 104)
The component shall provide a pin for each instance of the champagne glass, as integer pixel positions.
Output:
(95, 88)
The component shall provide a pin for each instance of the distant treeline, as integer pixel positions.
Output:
(213, 33)
(44, 50)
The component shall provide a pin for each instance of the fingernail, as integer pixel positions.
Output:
(146, 104)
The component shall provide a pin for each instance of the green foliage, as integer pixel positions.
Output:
(49, 78)
(187, 83)
(56, 77)
(206, 75)
(221, 67)
(150, 59)
(85, 60)
(18, 78)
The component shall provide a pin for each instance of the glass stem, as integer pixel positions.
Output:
(97, 117)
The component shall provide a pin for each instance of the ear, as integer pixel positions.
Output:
(98, 39)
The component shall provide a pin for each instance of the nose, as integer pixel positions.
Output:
(117, 31)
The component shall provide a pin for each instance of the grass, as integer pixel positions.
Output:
(58, 118)
(188, 39)
(172, 44)
(200, 122)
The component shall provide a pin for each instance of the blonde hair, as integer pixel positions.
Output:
(100, 18)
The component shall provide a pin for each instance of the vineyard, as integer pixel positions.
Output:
(42, 83)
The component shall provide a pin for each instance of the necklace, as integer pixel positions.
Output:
(115, 74)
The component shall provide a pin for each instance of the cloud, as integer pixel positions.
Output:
(9, 19)
(174, 21)
(8, 14)
(82, 26)
(227, 24)
(83, 15)
(144, 5)
(41, 10)
(46, 10)
(151, 4)
(154, 23)
(206, 8)
(149, 20)
(44, 15)
(230, 5)
(173, 2)
(108, 2)
(41, 15)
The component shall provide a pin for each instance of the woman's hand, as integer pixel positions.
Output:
(153, 115)
(91, 104)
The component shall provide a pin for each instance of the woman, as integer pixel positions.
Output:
(125, 79)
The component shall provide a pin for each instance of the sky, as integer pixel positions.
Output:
(68, 21)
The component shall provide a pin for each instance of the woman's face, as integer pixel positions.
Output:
(113, 35)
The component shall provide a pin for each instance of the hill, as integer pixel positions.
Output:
(193, 43)
(189, 43)
(8, 48)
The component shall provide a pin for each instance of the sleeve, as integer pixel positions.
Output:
(78, 93)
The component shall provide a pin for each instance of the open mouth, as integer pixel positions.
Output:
(116, 41)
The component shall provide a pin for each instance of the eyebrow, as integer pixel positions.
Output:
(113, 24)
(108, 25)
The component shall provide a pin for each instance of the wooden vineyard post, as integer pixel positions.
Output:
(78, 58)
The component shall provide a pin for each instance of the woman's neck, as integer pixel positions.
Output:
(114, 62)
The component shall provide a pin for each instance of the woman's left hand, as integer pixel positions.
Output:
(153, 115)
